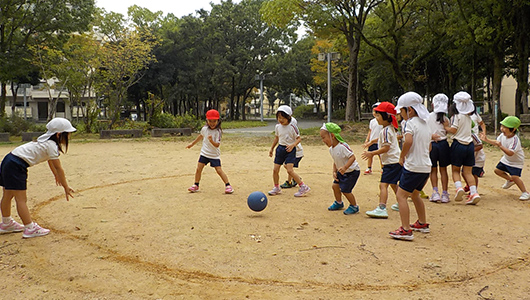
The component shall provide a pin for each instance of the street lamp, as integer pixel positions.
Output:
(329, 57)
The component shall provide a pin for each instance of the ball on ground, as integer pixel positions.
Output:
(257, 201)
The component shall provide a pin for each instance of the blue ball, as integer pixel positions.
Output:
(257, 201)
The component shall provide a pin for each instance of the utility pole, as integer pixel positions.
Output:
(329, 57)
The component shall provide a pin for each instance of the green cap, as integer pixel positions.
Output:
(511, 122)
(335, 129)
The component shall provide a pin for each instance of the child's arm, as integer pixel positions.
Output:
(367, 140)
(199, 137)
(334, 171)
(407, 143)
(343, 169)
(293, 145)
(506, 151)
(215, 144)
(60, 178)
(369, 154)
(448, 127)
(478, 147)
(274, 143)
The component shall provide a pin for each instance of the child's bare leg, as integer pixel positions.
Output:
(383, 193)
(292, 173)
(6, 202)
(476, 179)
(519, 183)
(468, 176)
(394, 187)
(434, 177)
(276, 174)
(198, 172)
(222, 174)
(420, 207)
(336, 192)
(22, 206)
(351, 198)
(456, 173)
(503, 174)
(445, 178)
(404, 212)
(289, 177)
(369, 162)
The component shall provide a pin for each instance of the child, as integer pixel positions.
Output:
(289, 183)
(389, 154)
(346, 170)
(287, 136)
(480, 159)
(416, 164)
(210, 153)
(462, 148)
(14, 174)
(371, 138)
(511, 165)
(440, 151)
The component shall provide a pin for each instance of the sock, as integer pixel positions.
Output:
(458, 184)
(435, 189)
(338, 201)
(30, 225)
(227, 184)
(196, 183)
(382, 206)
(473, 189)
(277, 185)
(6, 220)
(445, 192)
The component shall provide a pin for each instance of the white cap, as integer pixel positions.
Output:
(464, 105)
(376, 104)
(56, 125)
(414, 100)
(439, 101)
(286, 109)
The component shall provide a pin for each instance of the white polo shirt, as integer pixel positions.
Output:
(417, 159)
(35, 152)
(286, 134)
(435, 127)
(388, 136)
(341, 154)
(375, 128)
(514, 144)
(462, 123)
(208, 150)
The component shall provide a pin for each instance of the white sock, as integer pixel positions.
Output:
(30, 225)
(473, 189)
(458, 184)
(6, 220)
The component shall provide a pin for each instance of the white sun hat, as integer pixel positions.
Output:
(286, 109)
(464, 105)
(56, 125)
(440, 102)
(414, 100)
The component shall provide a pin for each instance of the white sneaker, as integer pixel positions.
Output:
(508, 184)
(12, 226)
(302, 191)
(275, 191)
(35, 231)
(395, 207)
(435, 197)
(525, 196)
(378, 212)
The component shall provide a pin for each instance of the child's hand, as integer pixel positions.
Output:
(483, 136)
(289, 148)
(210, 139)
(334, 174)
(435, 137)
(366, 155)
(366, 144)
(189, 146)
(270, 153)
(401, 160)
(342, 170)
(69, 192)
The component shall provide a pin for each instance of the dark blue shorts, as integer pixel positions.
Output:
(477, 171)
(411, 181)
(14, 173)
(391, 173)
(462, 155)
(282, 156)
(373, 147)
(510, 170)
(297, 162)
(440, 153)
(213, 161)
(347, 181)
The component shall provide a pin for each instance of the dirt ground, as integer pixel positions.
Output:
(133, 231)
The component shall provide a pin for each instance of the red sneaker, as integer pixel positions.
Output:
(420, 227)
(402, 234)
(466, 188)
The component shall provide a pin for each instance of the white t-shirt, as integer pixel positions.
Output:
(418, 159)
(299, 148)
(388, 136)
(435, 127)
(208, 150)
(462, 123)
(340, 154)
(286, 134)
(375, 128)
(514, 144)
(35, 152)
(480, 155)
(477, 119)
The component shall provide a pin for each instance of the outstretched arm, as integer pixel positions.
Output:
(199, 137)
(60, 178)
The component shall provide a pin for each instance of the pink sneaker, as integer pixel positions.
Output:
(35, 231)
(194, 188)
(275, 191)
(473, 199)
(445, 197)
(459, 194)
(368, 172)
(12, 226)
(302, 191)
(229, 189)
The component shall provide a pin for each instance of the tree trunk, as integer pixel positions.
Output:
(3, 99)
(498, 68)
(352, 113)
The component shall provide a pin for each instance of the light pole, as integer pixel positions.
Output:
(260, 77)
(25, 86)
(329, 57)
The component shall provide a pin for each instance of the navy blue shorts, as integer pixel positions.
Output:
(510, 170)
(14, 173)
(440, 153)
(411, 181)
(297, 162)
(214, 162)
(477, 171)
(462, 155)
(347, 181)
(373, 147)
(282, 156)
(391, 173)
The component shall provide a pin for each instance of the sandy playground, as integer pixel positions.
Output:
(133, 231)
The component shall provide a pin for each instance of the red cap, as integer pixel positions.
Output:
(212, 114)
(390, 109)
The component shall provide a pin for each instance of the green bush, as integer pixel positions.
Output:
(339, 114)
(16, 124)
(304, 111)
(165, 120)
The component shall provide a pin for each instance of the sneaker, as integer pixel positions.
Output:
(293, 183)
(466, 188)
(336, 206)
(287, 185)
(35, 232)
(12, 226)
(525, 196)
(402, 234)
(378, 212)
(229, 189)
(194, 188)
(275, 191)
(508, 184)
(395, 207)
(420, 227)
(302, 191)
(423, 195)
(435, 197)
(352, 209)
(368, 172)
(445, 197)
(459, 194)
(473, 199)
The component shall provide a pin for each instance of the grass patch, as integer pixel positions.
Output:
(242, 124)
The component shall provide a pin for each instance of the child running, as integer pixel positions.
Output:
(14, 175)
(440, 151)
(210, 153)
(480, 160)
(346, 170)
(371, 139)
(511, 164)
(462, 148)
(289, 183)
(287, 136)
(389, 154)
(416, 164)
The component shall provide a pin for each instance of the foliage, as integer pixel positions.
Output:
(166, 120)
(242, 124)
(304, 112)
(16, 124)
